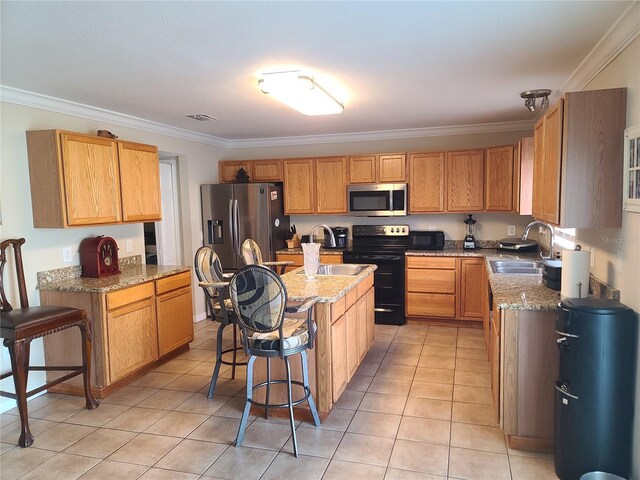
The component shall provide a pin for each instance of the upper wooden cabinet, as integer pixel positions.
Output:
(382, 168)
(139, 182)
(426, 182)
(498, 178)
(523, 176)
(299, 186)
(228, 169)
(465, 181)
(331, 181)
(579, 147)
(79, 180)
(266, 170)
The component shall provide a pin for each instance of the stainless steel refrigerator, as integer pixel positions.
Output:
(231, 213)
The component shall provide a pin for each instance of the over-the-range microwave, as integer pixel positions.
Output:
(381, 200)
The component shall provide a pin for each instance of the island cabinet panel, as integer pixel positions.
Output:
(426, 182)
(472, 287)
(140, 182)
(339, 363)
(331, 189)
(353, 358)
(371, 330)
(134, 328)
(299, 186)
(79, 180)
(465, 181)
(499, 179)
(362, 169)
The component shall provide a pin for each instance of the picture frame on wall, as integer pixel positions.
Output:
(631, 189)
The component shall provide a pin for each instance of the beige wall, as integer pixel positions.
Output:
(43, 248)
(617, 251)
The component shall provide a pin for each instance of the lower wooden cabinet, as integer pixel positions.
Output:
(445, 287)
(339, 375)
(298, 259)
(132, 328)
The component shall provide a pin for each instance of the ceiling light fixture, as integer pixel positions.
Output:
(300, 91)
(531, 95)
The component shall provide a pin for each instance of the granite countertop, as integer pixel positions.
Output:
(323, 251)
(69, 279)
(510, 291)
(329, 288)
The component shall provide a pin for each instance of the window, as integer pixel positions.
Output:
(565, 238)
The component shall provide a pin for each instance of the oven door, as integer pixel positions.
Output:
(388, 284)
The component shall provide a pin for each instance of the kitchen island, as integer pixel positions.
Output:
(344, 316)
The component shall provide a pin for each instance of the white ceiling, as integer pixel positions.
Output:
(404, 65)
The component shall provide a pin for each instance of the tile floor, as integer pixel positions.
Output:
(419, 407)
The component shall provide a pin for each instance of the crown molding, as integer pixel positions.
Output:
(475, 129)
(45, 102)
(617, 38)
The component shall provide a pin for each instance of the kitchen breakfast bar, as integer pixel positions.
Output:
(142, 318)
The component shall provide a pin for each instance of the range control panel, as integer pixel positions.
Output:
(380, 230)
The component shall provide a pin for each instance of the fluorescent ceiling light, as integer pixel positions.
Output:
(300, 91)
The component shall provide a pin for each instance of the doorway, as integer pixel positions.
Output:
(162, 239)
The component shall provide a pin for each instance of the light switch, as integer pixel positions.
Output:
(511, 230)
(129, 245)
(66, 255)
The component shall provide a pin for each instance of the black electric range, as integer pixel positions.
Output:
(384, 246)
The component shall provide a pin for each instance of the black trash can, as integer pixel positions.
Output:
(594, 397)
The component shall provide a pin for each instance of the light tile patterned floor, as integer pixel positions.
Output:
(419, 407)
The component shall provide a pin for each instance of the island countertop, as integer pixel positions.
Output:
(329, 288)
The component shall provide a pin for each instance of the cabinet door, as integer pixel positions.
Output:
(228, 169)
(175, 319)
(552, 164)
(472, 288)
(538, 172)
(133, 337)
(299, 186)
(494, 350)
(523, 176)
(339, 377)
(353, 356)
(266, 170)
(499, 179)
(140, 182)
(465, 181)
(426, 182)
(361, 314)
(392, 168)
(91, 179)
(331, 190)
(431, 281)
(362, 169)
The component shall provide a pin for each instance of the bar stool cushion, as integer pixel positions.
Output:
(295, 331)
(27, 322)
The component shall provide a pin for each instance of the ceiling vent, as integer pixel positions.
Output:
(201, 117)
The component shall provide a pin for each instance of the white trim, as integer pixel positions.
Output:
(45, 102)
(617, 38)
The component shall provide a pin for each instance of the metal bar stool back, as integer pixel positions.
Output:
(18, 326)
(214, 283)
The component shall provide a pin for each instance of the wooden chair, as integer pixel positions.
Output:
(21, 325)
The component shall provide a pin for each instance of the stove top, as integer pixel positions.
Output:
(376, 239)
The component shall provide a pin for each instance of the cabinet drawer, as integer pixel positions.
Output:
(129, 295)
(172, 282)
(365, 285)
(448, 263)
(331, 258)
(431, 305)
(297, 259)
(431, 281)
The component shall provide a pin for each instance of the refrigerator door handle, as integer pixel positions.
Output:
(231, 226)
(565, 392)
(237, 227)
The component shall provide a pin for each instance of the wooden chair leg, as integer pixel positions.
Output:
(19, 353)
(85, 330)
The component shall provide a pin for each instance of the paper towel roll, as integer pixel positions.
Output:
(575, 271)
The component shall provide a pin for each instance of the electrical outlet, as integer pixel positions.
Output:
(129, 245)
(66, 255)
(511, 230)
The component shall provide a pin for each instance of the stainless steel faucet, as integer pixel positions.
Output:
(551, 236)
(327, 230)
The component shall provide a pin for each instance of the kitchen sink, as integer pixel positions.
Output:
(340, 269)
(516, 267)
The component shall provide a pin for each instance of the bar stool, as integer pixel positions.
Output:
(214, 283)
(252, 255)
(21, 325)
(259, 299)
